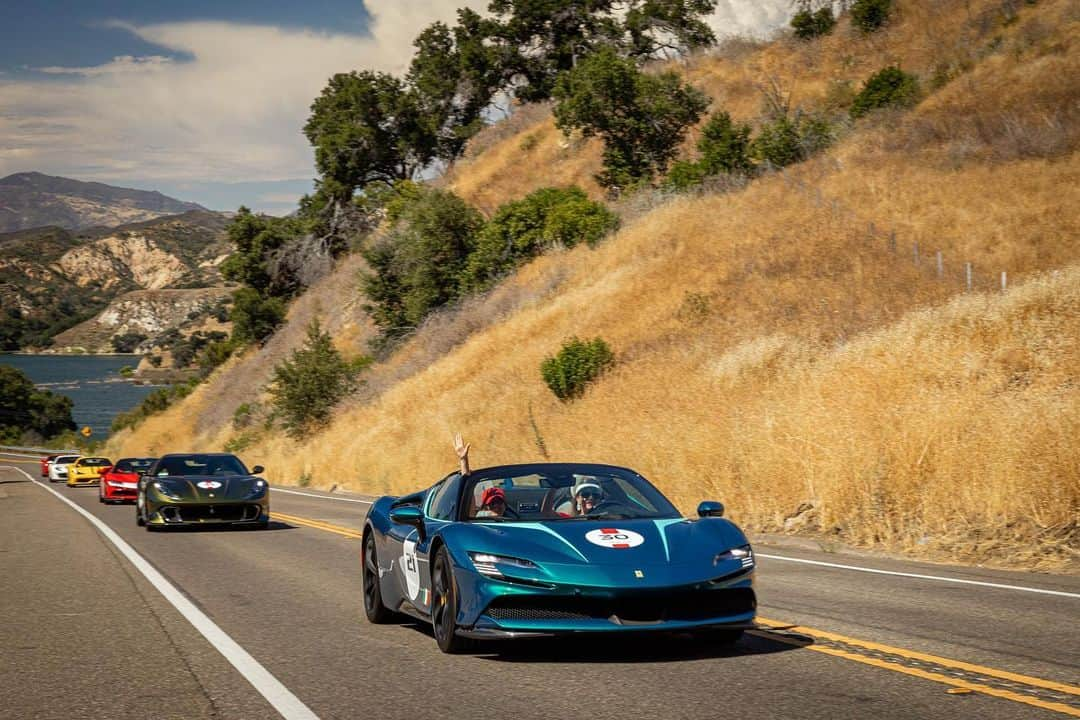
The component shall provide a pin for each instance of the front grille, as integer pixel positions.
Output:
(211, 513)
(648, 607)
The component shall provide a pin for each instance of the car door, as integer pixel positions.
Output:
(410, 548)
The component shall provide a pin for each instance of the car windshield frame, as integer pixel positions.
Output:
(556, 480)
(197, 463)
(95, 462)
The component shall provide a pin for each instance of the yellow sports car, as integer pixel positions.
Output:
(87, 471)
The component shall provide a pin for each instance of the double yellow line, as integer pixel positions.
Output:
(965, 676)
(318, 525)
(850, 649)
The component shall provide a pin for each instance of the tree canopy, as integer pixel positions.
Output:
(27, 411)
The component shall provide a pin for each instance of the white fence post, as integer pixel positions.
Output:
(916, 251)
(967, 271)
(1004, 281)
(940, 265)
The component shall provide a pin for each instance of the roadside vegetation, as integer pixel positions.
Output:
(786, 341)
(28, 415)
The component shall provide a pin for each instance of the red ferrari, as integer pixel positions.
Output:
(45, 463)
(121, 482)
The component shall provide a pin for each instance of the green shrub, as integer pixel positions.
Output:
(778, 143)
(888, 87)
(522, 229)
(577, 364)
(685, 174)
(25, 409)
(215, 354)
(870, 15)
(724, 146)
(255, 316)
(416, 267)
(809, 24)
(127, 342)
(310, 382)
(641, 117)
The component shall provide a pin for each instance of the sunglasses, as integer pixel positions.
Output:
(589, 494)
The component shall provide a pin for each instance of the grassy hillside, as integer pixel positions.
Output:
(779, 347)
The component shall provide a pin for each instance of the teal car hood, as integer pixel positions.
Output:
(637, 543)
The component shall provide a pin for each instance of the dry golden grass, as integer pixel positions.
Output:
(771, 354)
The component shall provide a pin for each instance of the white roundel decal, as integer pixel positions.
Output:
(614, 538)
(209, 484)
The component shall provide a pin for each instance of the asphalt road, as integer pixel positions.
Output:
(86, 635)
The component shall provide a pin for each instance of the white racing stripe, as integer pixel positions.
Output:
(321, 497)
(280, 697)
(937, 578)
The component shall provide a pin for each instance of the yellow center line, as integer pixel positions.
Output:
(926, 674)
(319, 525)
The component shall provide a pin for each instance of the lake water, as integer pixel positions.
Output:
(93, 382)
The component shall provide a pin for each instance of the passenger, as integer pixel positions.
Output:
(587, 496)
(492, 503)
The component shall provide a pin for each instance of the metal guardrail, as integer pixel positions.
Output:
(36, 450)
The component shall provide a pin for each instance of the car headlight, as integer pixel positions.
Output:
(258, 489)
(166, 490)
(487, 564)
(744, 554)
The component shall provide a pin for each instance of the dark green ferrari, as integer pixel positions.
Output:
(202, 489)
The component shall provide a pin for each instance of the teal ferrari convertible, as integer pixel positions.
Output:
(546, 549)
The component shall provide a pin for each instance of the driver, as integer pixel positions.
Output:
(492, 503)
(587, 495)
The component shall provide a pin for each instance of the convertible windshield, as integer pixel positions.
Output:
(133, 464)
(561, 491)
(94, 462)
(199, 465)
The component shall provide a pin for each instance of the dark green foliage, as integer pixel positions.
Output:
(641, 118)
(366, 127)
(577, 364)
(889, 87)
(870, 15)
(416, 266)
(525, 228)
(685, 174)
(26, 410)
(539, 40)
(185, 349)
(453, 76)
(785, 141)
(254, 316)
(724, 146)
(127, 342)
(809, 23)
(778, 143)
(155, 402)
(214, 354)
(308, 384)
(257, 239)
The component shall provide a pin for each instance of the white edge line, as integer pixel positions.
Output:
(280, 697)
(274, 488)
(938, 578)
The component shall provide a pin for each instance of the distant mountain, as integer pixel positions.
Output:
(52, 278)
(31, 199)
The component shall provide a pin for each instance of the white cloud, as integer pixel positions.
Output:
(234, 110)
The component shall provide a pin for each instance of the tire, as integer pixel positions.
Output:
(377, 613)
(444, 605)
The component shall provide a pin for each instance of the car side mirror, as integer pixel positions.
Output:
(710, 508)
(257, 469)
(408, 515)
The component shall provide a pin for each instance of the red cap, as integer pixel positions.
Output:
(491, 495)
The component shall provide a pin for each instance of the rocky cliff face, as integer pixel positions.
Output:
(29, 200)
(150, 313)
(53, 279)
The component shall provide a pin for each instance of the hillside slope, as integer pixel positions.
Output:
(793, 348)
(31, 199)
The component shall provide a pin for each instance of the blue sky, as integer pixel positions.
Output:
(204, 100)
